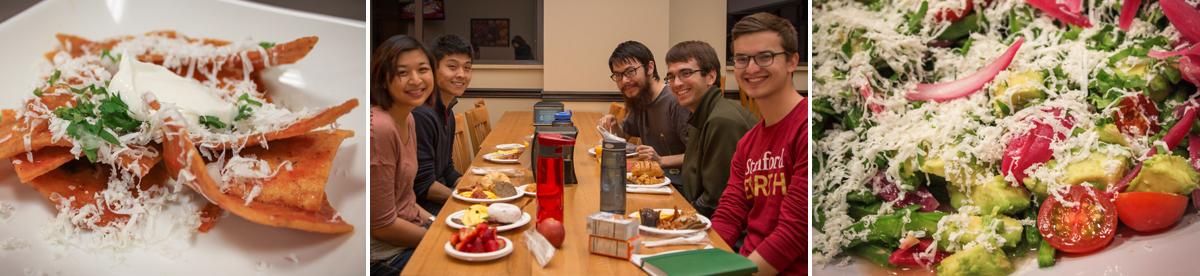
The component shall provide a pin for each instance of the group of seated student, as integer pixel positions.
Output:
(750, 177)
(413, 91)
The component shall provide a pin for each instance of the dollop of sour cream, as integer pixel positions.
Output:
(192, 98)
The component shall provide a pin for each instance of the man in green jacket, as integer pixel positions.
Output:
(715, 126)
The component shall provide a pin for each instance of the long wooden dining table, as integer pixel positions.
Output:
(580, 200)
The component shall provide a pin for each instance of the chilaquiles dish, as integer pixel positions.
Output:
(118, 126)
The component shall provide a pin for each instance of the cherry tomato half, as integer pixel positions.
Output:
(1149, 211)
(1136, 116)
(951, 15)
(1088, 224)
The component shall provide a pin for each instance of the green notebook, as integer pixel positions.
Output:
(710, 261)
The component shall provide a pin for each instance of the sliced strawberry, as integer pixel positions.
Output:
(491, 246)
(500, 243)
(454, 239)
(477, 246)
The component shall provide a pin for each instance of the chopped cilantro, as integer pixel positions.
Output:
(54, 78)
(105, 53)
(211, 122)
(243, 112)
(246, 98)
(266, 45)
(112, 120)
(37, 92)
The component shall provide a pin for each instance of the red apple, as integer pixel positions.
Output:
(553, 230)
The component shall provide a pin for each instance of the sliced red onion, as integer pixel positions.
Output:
(1184, 17)
(1074, 6)
(1062, 12)
(1157, 54)
(1194, 157)
(868, 95)
(1128, 12)
(880, 186)
(965, 86)
(1189, 67)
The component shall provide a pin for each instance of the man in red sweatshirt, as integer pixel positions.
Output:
(768, 178)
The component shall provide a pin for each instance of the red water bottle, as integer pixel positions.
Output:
(550, 175)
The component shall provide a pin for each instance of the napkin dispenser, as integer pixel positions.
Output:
(543, 112)
(568, 151)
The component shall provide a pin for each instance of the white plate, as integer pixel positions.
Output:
(335, 71)
(629, 154)
(492, 157)
(481, 257)
(474, 200)
(666, 181)
(525, 218)
(655, 230)
(522, 189)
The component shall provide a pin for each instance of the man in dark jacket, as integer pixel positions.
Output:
(716, 124)
(436, 176)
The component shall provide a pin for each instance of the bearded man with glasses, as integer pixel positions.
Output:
(716, 124)
(654, 114)
(767, 193)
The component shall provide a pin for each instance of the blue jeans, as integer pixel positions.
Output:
(392, 266)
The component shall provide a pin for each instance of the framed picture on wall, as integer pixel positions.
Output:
(489, 32)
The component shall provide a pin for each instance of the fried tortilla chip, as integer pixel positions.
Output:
(208, 217)
(280, 54)
(183, 160)
(303, 186)
(324, 118)
(44, 160)
(13, 134)
(82, 181)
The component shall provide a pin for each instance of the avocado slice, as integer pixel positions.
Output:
(1165, 173)
(976, 261)
(993, 197)
(1099, 169)
(1109, 133)
(1019, 89)
(1005, 227)
(1158, 86)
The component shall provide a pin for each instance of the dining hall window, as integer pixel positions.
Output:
(501, 32)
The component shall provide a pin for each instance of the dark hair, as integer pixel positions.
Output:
(701, 52)
(519, 40)
(384, 67)
(761, 22)
(633, 52)
(450, 44)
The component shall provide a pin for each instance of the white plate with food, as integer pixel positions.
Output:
(630, 183)
(525, 218)
(495, 157)
(330, 74)
(667, 213)
(628, 153)
(524, 189)
(481, 257)
(459, 195)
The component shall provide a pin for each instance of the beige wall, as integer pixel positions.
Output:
(581, 35)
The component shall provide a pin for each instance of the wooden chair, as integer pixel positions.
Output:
(478, 125)
(749, 103)
(479, 103)
(618, 110)
(462, 146)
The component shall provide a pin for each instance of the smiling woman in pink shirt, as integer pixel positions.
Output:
(401, 80)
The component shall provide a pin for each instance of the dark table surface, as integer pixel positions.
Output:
(345, 9)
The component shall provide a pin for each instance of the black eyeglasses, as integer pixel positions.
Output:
(628, 73)
(763, 60)
(685, 73)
